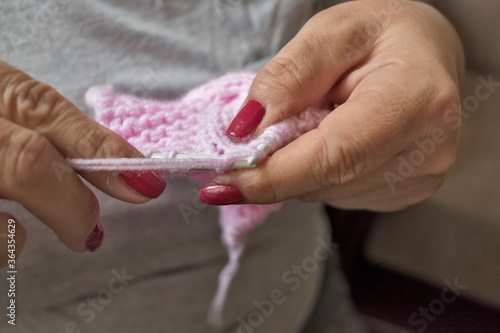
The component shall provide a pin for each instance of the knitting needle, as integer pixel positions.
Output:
(174, 163)
(250, 162)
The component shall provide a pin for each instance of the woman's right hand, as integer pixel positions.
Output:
(39, 129)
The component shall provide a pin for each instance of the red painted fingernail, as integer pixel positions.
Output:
(246, 121)
(216, 194)
(95, 238)
(147, 183)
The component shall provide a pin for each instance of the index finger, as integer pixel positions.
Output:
(39, 107)
(306, 68)
(382, 117)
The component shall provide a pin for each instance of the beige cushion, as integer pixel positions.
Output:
(456, 233)
(478, 23)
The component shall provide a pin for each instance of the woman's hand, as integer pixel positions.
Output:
(39, 128)
(393, 68)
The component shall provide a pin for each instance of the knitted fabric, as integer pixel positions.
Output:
(196, 124)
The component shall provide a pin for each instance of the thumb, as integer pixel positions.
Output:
(304, 70)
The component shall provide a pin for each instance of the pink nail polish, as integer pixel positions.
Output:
(147, 183)
(95, 238)
(246, 121)
(216, 194)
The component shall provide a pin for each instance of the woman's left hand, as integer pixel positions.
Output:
(393, 67)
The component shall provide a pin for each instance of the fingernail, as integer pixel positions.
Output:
(95, 238)
(216, 194)
(147, 183)
(246, 121)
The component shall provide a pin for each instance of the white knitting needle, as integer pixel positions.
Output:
(249, 162)
(159, 161)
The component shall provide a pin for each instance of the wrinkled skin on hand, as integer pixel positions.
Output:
(39, 128)
(394, 70)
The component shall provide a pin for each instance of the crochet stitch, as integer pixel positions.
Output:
(196, 124)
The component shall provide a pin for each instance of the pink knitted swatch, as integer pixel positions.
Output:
(196, 124)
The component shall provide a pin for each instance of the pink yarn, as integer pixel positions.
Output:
(196, 124)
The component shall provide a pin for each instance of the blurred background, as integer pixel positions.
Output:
(404, 266)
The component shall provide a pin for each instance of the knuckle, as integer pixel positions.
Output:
(285, 70)
(340, 163)
(354, 35)
(323, 168)
(27, 156)
(441, 99)
(260, 187)
(447, 95)
(8, 85)
(284, 74)
(36, 103)
(351, 161)
(94, 143)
